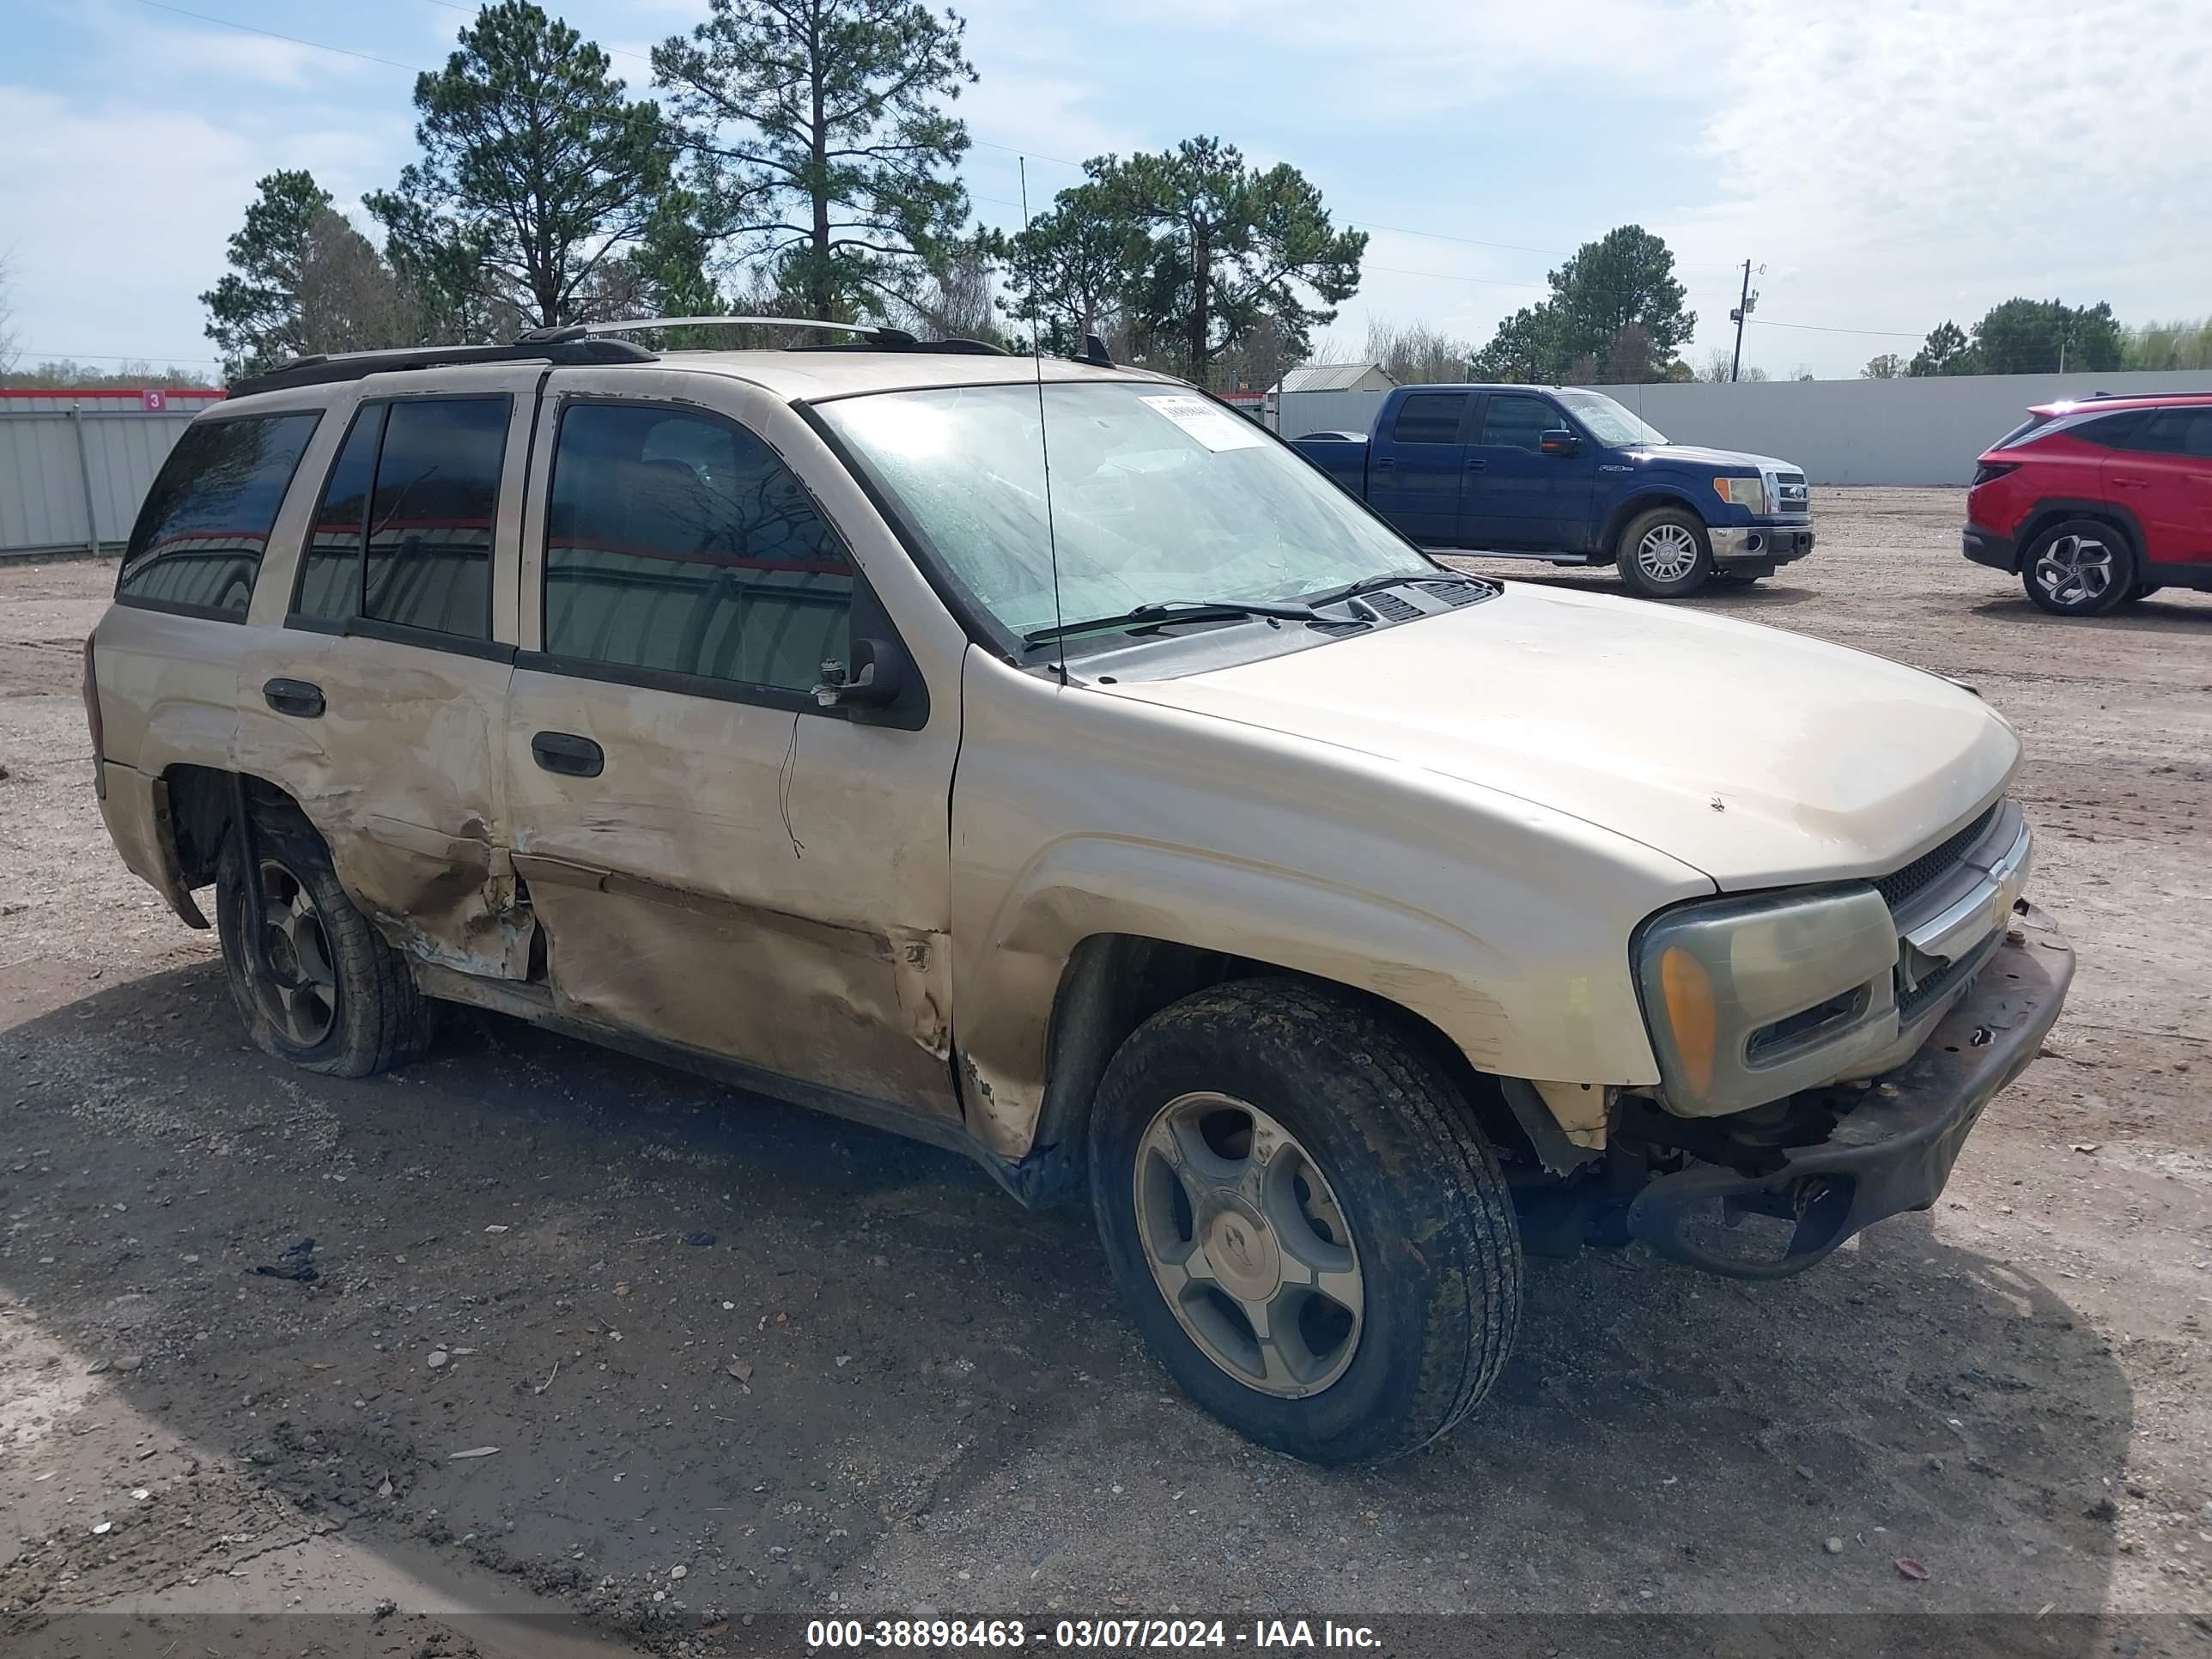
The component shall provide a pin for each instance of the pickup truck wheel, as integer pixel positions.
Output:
(2083, 567)
(1261, 1155)
(329, 995)
(1664, 553)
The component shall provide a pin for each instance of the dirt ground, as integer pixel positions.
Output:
(883, 1386)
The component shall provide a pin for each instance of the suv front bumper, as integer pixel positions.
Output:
(1891, 1149)
(1769, 544)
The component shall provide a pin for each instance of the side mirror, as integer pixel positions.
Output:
(1559, 441)
(877, 674)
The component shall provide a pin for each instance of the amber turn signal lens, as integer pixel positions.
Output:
(1692, 1013)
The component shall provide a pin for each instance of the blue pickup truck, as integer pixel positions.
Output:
(1571, 477)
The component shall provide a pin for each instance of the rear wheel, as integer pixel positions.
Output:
(325, 992)
(1664, 553)
(1262, 1154)
(2081, 568)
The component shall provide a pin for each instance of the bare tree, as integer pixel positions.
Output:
(1632, 357)
(1714, 368)
(9, 347)
(348, 299)
(957, 298)
(1415, 354)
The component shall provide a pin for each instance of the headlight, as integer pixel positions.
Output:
(1743, 492)
(1750, 999)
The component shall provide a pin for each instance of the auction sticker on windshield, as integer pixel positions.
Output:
(1211, 426)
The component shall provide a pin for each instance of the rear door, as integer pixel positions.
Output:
(378, 702)
(717, 862)
(1516, 496)
(2162, 473)
(1413, 469)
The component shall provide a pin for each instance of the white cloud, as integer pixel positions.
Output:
(125, 211)
(1893, 163)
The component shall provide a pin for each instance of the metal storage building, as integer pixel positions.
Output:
(75, 463)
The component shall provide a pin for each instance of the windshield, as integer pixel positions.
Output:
(1608, 423)
(1157, 494)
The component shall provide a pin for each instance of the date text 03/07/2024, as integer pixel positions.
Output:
(1290, 1634)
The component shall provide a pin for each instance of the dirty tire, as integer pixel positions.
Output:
(1651, 552)
(1438, 1249)
(2079, 568)
(2140, 592)
(379, 1019)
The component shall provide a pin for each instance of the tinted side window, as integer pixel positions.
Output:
(330, 572)
(430, 515)
(199, 537)
(2177, 432)
(2118, 431)
(1430, 417)
(1519, 422)
(679, 541)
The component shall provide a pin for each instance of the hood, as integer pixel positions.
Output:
(1756, 757)
(1697, 455)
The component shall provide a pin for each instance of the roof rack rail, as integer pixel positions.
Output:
(874, 337)
(562, 347)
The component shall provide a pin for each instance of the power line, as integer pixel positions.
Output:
(271, 34)
(1514, 247)
(49, 356)
(1824, 328)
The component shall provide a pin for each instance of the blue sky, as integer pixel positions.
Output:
(1889, 163)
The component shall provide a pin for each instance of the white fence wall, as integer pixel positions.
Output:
(74, 466)
(1841, 432)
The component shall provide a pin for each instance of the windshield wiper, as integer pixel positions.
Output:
(1373, 584)
(1178, 610)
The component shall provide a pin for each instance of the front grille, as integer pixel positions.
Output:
(1900, 886)
(1796, 478)
(1911, 1005)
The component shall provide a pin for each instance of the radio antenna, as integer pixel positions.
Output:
(1044, 446)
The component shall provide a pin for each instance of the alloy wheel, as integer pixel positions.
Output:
(298, 991)
(1247, 1241)
(1667, 553)
(2075, 570)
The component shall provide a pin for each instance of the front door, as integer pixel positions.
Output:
(717, 862)
(1517, 495)
(1413, 471)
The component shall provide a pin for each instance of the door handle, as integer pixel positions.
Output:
(1475, 464)
(1384, 463)
(565, 752)
(2131, 483)
(299, 697)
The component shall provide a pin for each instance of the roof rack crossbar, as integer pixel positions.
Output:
(876, 336)
(559, 348)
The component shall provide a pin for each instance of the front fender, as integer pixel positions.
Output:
(1084, 886)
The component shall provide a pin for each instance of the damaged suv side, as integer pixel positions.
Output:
(1045, 762)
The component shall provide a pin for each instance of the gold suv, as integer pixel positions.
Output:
(1038, 758)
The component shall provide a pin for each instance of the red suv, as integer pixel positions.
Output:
(2095, 504)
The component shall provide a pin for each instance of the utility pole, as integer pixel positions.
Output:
(1742, 310)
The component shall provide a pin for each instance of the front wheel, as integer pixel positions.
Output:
(1304, 1221)
(1665, 554)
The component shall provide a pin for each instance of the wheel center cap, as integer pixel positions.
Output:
(1243, 1251)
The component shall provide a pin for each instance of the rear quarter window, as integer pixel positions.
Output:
(198, 545)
